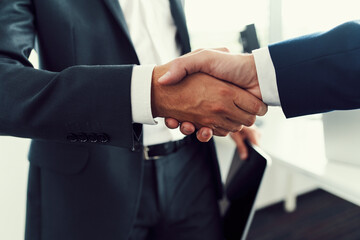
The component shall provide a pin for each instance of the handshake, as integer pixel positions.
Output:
(212, 91)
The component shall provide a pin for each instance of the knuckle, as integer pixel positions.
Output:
(225, 133)
(178, 61)
(218, 108)
(224, 91)
(208, 122)
(257, 105)
(221, 133)
(250, 121)
(207, 53)
(200, 50)
(265, 111)
(225, 49)
(237, 129)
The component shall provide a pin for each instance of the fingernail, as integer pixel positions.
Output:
(164, 77)
(243, 156)
(263, 110)
(204, 134)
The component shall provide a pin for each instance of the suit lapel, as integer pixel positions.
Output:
(178, 14)
(115, 9)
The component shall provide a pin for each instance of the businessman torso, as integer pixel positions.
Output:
(85, 159)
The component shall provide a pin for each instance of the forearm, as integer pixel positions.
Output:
(47, 105)
(319, 72)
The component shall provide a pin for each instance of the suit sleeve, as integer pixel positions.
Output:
(45, 105)
(319, 72)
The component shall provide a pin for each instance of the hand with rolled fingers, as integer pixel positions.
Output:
(200, 101)
(237, 69)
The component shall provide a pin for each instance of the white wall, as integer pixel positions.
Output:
(13, 182)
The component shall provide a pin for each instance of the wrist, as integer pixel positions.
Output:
(252, 67)
(157, 100)
(254, 86)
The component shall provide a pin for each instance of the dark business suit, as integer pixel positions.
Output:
(86, 159)
(319, 72)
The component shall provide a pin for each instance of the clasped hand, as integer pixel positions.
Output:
(210, 90)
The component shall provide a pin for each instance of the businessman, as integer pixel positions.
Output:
(310, 74)
(95, 171)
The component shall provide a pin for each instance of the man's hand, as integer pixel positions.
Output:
(247, 133)
(238, 69)
(206, 102)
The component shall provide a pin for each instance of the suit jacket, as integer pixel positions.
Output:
(319, 72)
(86, 155)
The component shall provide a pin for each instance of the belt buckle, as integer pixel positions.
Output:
(146, 154)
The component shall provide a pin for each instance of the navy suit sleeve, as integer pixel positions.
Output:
(48, 105)
(319, 72)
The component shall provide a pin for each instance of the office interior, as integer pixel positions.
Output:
(302, 178)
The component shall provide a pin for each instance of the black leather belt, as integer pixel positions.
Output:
(161, 150)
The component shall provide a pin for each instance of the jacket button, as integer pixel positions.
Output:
(92, 137)
(72, 137)
(83, 137)
(103, 138)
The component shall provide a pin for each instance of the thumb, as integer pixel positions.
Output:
(197, 61)
(172, 76)
(179, 69)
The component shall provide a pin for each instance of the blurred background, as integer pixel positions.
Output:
(299, 167)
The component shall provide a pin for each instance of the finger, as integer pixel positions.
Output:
(187, 128)
(237, 118)
(204, 134)
(249, 103)
(225, 124)
(171, 123)
(221, 132)
(240, 144)
(186, 65)
(221, 49)
(252, 135)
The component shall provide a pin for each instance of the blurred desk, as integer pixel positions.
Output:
(298, 145)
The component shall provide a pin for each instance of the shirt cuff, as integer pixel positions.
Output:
(267, 77)
(141, 94)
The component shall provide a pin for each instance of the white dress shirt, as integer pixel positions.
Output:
(152, 31)
(267, 76)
